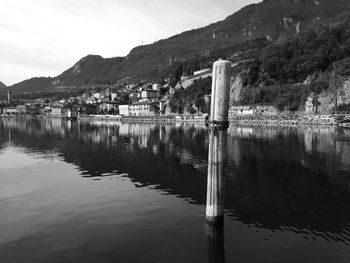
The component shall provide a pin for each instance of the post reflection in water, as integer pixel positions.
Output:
(216, 194)
(216, 241)
(215, 185)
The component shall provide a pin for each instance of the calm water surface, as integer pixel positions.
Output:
(113, 192)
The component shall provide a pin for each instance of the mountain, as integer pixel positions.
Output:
(313, 67)
(2, 86)
(271, 19)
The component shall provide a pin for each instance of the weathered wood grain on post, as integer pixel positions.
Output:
(220, 93)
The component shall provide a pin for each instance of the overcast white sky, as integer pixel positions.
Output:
(45, 37)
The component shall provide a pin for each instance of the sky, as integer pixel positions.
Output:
(46, 37)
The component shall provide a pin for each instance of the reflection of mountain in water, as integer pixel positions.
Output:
(276, 177)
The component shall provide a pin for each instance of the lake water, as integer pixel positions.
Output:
(118, 192)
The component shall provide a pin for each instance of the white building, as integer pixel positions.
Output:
(124, 110)
(97, 95)
(142, 109)
(162, 107)
(9, 110)
(114, 96)
(156, 87)
(57, 112)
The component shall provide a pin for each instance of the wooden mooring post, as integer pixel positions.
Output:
(218, 124)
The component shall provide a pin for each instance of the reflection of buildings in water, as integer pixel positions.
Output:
(328, 147)
(14, 124)
(56, 126)
(114, 139)
(161, 133)
(256, 132)
(267, 133)
(178, 124)
(322, 148)
(46, 125)
(342, 148)
(124, 129)
(241, 132)
(143, 141)
(69, 125)
(185, 143)
(233, 152)
(345, 132)
(96, 137)
(141, 131)
(98, 134)
(106, 123)
(320, 139)
(308, 139)
(155, 149)
(326, 142)
(167, 131)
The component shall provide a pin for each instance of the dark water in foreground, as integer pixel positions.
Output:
(80, 192)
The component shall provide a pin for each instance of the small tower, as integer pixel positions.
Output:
(9, 96)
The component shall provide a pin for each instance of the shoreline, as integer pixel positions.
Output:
(253, 120)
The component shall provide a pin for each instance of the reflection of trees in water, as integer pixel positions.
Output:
(319, 148)
(277, 181)
(276, 177)
(101, 150)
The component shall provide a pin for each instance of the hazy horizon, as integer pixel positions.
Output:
(44, 39)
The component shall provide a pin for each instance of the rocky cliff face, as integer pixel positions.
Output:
(326, 102)
(236, 87)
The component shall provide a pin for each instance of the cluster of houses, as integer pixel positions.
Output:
(132, 100)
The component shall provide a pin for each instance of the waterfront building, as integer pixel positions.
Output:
(57, 112)
(124, 110)
(9, 110)
(142, 109)
(27, 109)
(88, 109)
(108, 106)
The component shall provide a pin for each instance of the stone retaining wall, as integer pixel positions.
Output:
(291, 119)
